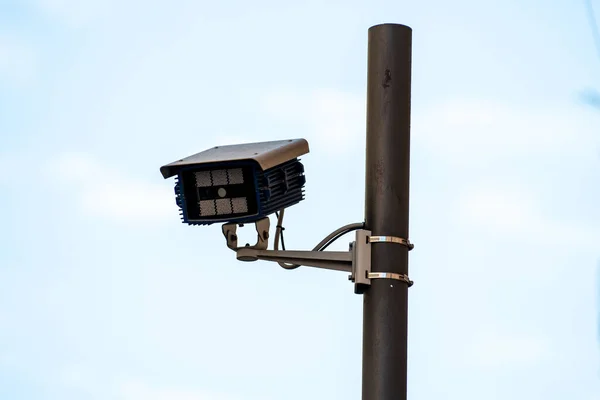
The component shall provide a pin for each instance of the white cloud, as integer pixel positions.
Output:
(463, 130)
(504, 208)
(4, 166)
(333, 119)
(224, 140)
(458, 131)
(141, 391)
(103, 192)
(17, 60)
(495, 349)
(81, 377)
(78, 376)
(76, 13)
(515, 213)
(9, 162)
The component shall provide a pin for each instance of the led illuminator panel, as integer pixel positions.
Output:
(239, 192)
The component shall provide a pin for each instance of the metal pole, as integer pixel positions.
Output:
(386, 210)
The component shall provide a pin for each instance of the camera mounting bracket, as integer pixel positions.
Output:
(262, 231)
(356, 261)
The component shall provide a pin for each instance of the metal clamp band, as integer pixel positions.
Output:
(390, 275)
(391, 239)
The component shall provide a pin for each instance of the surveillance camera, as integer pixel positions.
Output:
(238, 183)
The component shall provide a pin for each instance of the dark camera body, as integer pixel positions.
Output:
(238, 183)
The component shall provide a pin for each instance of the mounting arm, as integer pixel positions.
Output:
(335, 260)
(356, 261)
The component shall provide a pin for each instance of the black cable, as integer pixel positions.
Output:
(279, 235)
(280, 229)
(338, 233)
(282, 240)
(322, 245)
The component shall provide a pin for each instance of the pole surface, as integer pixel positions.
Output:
(385, 311)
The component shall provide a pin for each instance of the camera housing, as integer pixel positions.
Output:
(238, 183)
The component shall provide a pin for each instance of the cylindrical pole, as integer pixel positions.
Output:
(386, 210)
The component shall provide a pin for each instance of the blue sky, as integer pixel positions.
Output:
(105, 295)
